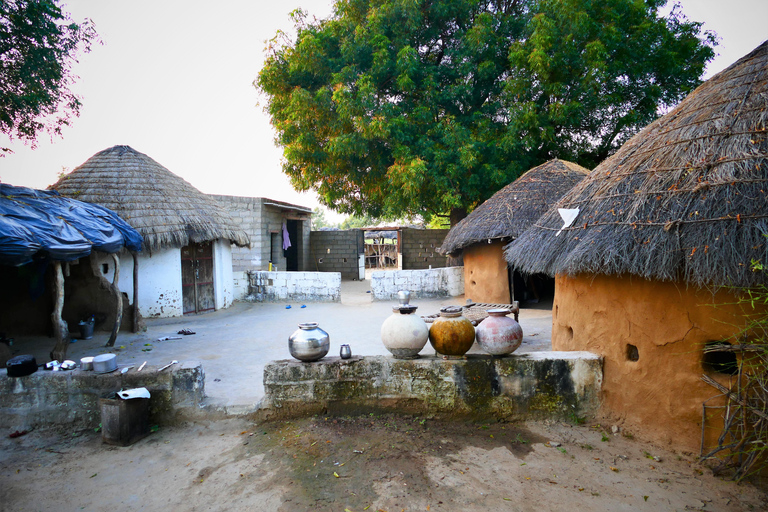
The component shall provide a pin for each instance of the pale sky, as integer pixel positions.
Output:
(173, 79)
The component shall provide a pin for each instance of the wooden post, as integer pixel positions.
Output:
(60, 328)
(118, 300)
(135, 327)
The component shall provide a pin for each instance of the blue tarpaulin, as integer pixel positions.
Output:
(43, 223)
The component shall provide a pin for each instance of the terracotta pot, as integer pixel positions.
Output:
(404, 333)
(451, 334)
(498, 334)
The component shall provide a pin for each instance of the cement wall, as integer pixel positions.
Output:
(222, 274)
(294, 286)
(338, 251)
(651, 335)
(262, 219)
(562, 385)
(71, 398)
(437, 282)
(418, 248)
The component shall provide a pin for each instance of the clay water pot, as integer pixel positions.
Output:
(498, 334)
(451, 334)
(403, 333)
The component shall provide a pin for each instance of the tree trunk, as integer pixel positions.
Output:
(118, 301)
(456, 215)
(135, 327)
(60, 328)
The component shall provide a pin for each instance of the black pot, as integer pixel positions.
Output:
(21, 366)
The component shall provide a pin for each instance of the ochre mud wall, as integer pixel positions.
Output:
(485, 273)
(660, 394)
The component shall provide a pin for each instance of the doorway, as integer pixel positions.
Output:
(197, 278)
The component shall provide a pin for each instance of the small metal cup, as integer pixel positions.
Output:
(345, 352)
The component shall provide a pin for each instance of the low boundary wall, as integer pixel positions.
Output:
(536, 385)
(48, 398)
(436, 282)
(304, 286)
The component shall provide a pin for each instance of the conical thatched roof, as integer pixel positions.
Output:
(166, 210)
(686, 199)
(513, 209)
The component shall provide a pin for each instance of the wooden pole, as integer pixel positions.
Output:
(60, 328)
(118, 301)
(135, 327)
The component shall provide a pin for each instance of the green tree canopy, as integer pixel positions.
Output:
(414, 107)
(38, 46)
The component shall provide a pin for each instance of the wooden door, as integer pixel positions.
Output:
(197, 277)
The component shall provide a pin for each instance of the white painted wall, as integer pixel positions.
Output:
(159, 281)
(306, 286)
(435, 282)
(223, 279)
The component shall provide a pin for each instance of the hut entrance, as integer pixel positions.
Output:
(197, 277)
(292, 253)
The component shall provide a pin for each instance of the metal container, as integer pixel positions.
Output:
(105, 363)
(345, 352)
(404, 296)
(309, 343)
(86, 363)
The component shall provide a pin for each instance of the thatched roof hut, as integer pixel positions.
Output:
(166, 210)
(686, 199)
(514, 208)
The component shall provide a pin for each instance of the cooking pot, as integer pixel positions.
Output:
(21, 366)
(105, 363)
(86, 363)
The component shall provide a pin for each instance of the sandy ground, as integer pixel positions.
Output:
(376, 463)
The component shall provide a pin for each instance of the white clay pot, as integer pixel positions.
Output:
(403, 333)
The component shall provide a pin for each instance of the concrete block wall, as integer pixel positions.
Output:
(260, 221)
(291, 286)
(337, 251)
(537, 385)
(72, 397)
(418, 248)
(436, 282)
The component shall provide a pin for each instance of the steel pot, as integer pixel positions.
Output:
(309, 343)
(105, 363)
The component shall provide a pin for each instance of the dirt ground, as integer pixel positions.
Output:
(375, 463)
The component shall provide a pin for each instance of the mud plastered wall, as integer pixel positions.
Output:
(485, 273)
(651, 335)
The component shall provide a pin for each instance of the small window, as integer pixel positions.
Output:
(632, 353)
(105, 268)
(718, 359)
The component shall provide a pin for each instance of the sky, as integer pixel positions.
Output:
(174, 79)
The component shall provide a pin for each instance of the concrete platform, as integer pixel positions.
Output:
(235, 344)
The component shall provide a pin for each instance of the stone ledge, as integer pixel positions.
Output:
(71, 398)
(537, 385)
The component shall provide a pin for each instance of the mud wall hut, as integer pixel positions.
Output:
(649, 273)
(481, 236)
(186, 262)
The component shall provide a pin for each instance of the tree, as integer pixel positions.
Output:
(415, 107)
(38, 46)
(319, 220)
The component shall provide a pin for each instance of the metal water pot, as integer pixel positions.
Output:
(309, 343)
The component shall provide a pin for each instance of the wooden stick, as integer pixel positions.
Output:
(135, 327)
(732, 396)
(118, 300)
(60, 329)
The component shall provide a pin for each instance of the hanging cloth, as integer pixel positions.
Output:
(286, 238)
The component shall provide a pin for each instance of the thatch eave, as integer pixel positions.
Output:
(684, 200)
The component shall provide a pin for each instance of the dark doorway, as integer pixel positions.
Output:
(197, 277)
(292, 253)
(532, 289)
